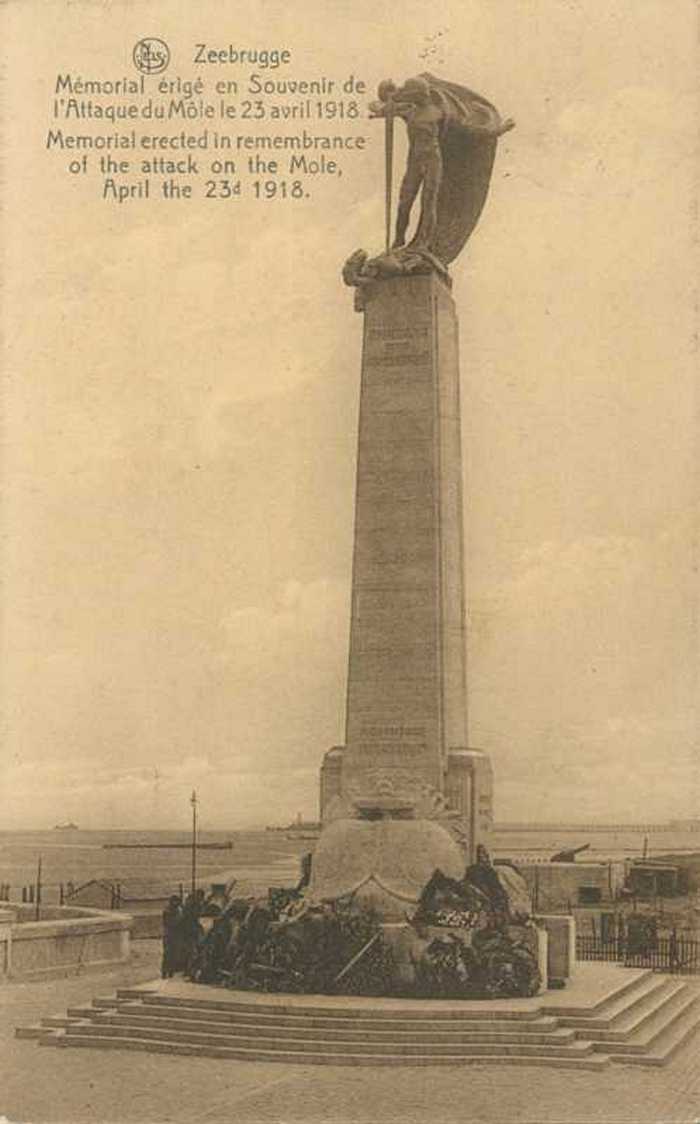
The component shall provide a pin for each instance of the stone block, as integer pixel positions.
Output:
(561, 945)
(541, 949)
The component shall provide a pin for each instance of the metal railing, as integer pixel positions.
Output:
(674, 954)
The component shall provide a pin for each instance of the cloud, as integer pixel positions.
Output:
(582, 675)
(257, 709)
(37, 794)
(303, 616)
(611, 143)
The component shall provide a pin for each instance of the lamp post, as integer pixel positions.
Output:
(193, 802)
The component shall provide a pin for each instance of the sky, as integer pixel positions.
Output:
(180, 396)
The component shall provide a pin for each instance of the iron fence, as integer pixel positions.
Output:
(677, 955)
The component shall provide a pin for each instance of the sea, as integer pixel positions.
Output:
(255, 858)
(541, 843)
(259, 857)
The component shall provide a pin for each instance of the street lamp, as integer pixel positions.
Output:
(193, 802)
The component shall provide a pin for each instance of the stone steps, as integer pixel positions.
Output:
(348, 1034)
(372, 1009)
(645, 1020)
(642, 998)
(666, 1044)
(34, 1030)
(588, 1061)
(272, 1044)
(648, 1037)
(640, 1019)
(627, 992)
(318, 1027)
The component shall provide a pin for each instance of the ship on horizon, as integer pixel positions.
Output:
(70, 826)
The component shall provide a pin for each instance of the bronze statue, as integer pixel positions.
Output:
(452, 137)
(424, 166)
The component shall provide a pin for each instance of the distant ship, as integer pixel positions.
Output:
(66, 827)
(300, 829)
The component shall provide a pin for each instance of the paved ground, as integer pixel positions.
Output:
(39, 1084)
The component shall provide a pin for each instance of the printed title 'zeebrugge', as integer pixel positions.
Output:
(264, 59)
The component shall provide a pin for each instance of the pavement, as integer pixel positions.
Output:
(40, 1085)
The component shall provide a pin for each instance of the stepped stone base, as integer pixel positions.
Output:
(610, 1014)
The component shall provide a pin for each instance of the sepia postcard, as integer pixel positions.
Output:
(350, 618)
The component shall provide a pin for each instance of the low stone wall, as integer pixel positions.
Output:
(558, 887)
(146, 926)
(67, 942)
(27, 913)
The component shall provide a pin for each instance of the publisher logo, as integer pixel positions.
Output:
(151, 56)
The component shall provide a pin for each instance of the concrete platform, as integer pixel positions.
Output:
(595, 982)
(608, 1014)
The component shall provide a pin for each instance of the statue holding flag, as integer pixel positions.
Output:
(424, 165)
(452, 137)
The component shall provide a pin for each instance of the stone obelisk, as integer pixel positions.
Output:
(406, 755)
(406, 722)
(406, 695)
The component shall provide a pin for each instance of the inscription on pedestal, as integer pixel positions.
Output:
(398, 346)
(404, 754)
(393, 745)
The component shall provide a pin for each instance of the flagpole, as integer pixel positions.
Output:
(388, 169)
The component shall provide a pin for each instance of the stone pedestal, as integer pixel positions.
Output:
(406, 755)
(382, 864)
(542, 943)
(469, 791)
(406, 702)
(561, 946)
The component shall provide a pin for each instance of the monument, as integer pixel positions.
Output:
(406, 794)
